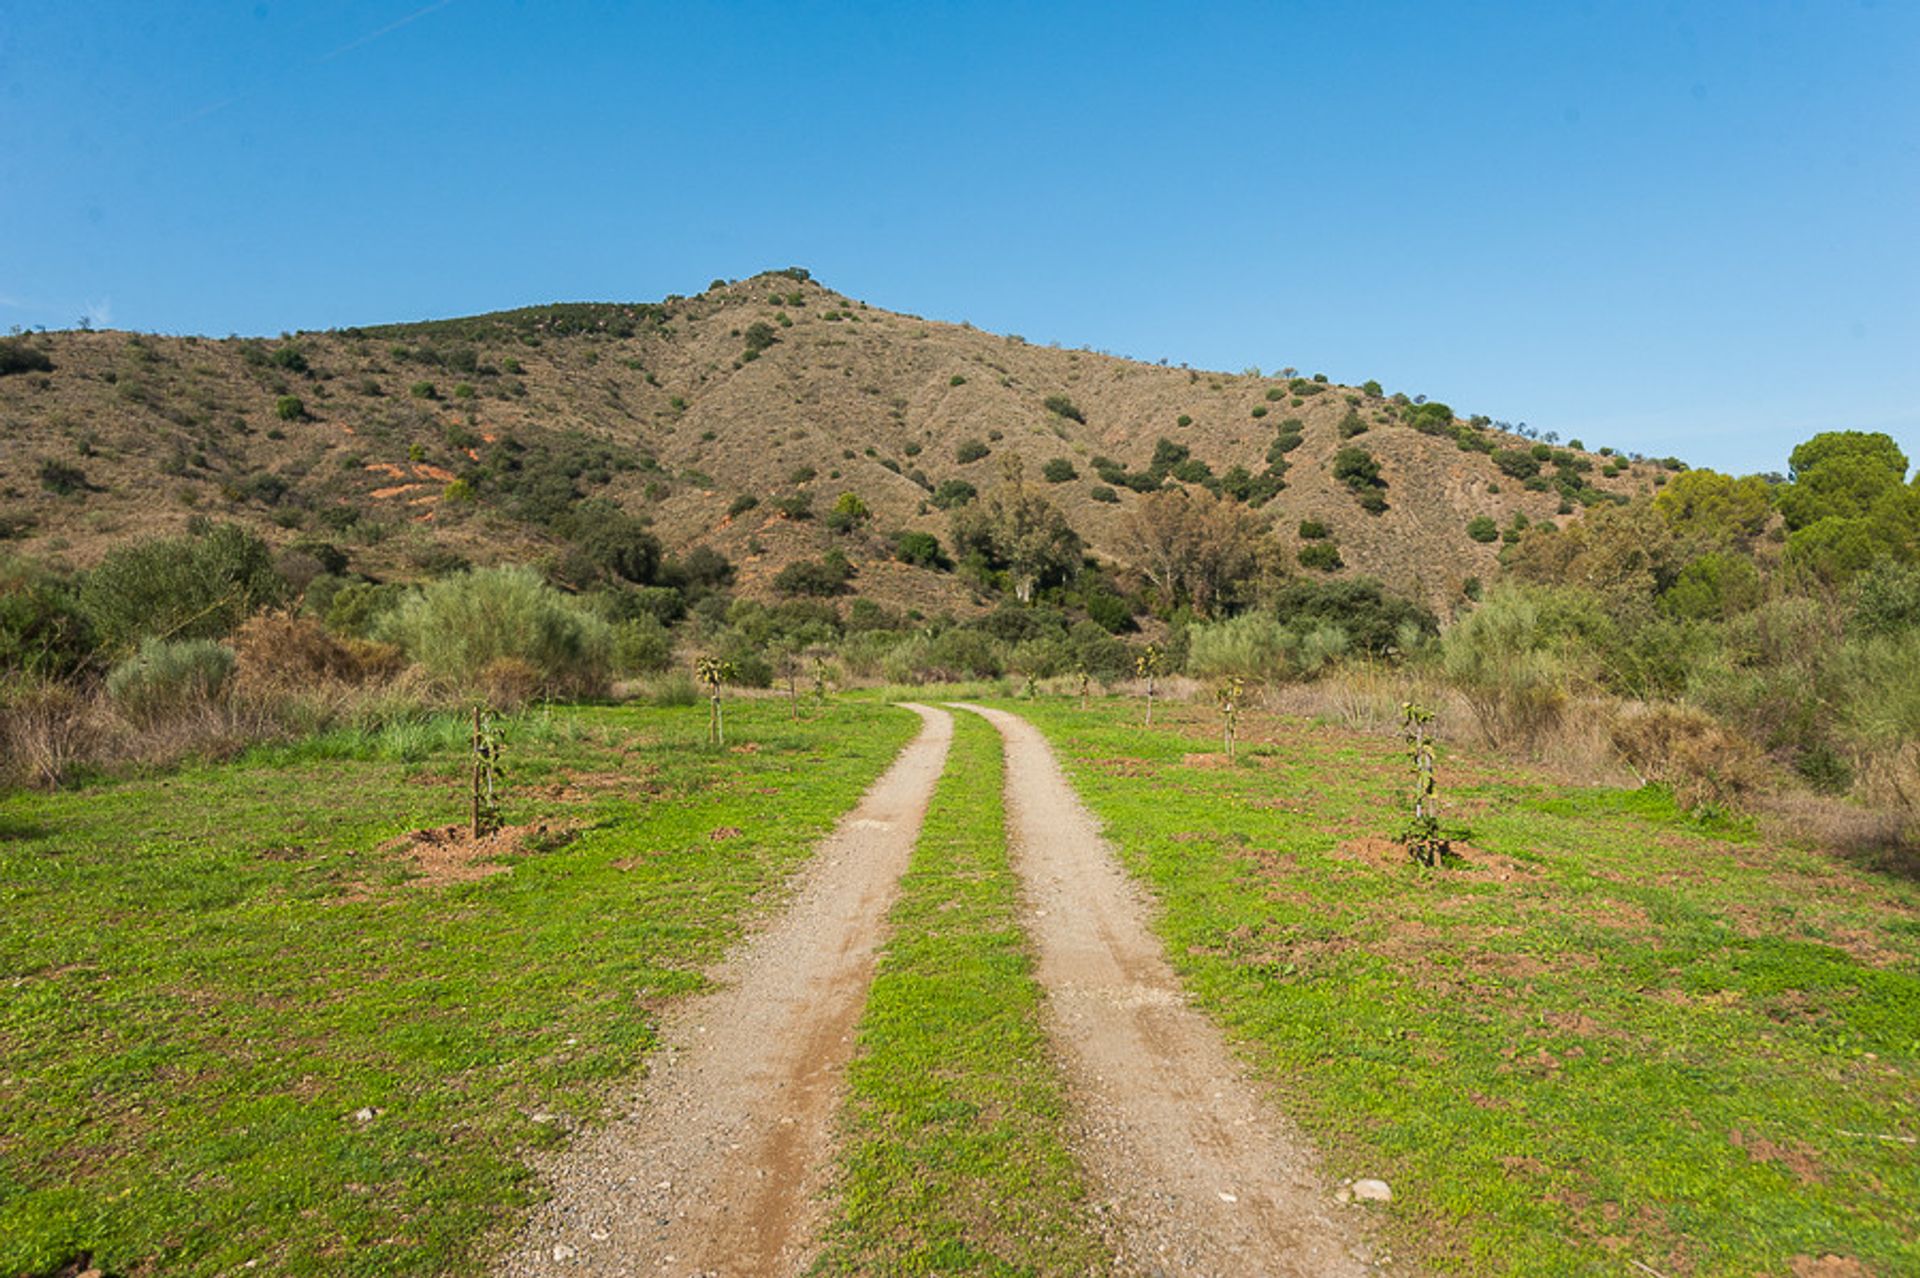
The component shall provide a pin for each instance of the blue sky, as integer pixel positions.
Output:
(1674, 228)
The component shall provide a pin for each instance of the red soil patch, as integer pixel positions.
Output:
(1828, 1266)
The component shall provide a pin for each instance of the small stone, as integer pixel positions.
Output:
(1375, 1191)
(363, 1115)
(542, 1117)
(1225, 1197)
(562, 1252)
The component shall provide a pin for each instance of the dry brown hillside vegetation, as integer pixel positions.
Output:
(737, 419)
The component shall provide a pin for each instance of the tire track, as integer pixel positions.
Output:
(1203, 1177)
(717, 1166)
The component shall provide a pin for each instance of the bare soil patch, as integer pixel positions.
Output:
(445, 854)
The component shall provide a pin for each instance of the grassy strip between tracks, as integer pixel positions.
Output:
(954, 1160)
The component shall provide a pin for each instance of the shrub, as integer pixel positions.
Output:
(741, 505)
(1059, 471)
(1314, 530)
(1253, 646)
(289, 408)
(62, 479)
(1065, 407)
(956, 380)
(1322, 555)
(46, 727)
(1259, 411)
(1690, 752)
(971, 450)
(1373, 619)
(821, 578)
(43, 632)
(423, 390)
(1183, 421)
(460, 625)
(759, 336)
(192, 587)
(849, 512)
(920, 549)
(1372, 388)
(16, 356)
(1482, 528)
(795, 505)
(1498, 658)
(1352, 424)
(1515, 463)
(954, 492)
(275, 653)
(169, 678)
(1102, 493)
(641, 645)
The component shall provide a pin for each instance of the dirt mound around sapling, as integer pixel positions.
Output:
(450, 854)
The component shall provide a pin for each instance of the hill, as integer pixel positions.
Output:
(736, 419)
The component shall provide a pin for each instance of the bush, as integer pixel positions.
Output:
(42, 629)
(169, 678)
(795, 505)
(1372, 618)
(289, 408)
(921, 550)
(760, 335)
(276, 653)
(822, 578)
(971, 450)
(1102, 493)
(1253, 646)
(849, 512)
(1314, 530)
(16, 356)
(1690, 752)
(192, 587)
(641, 645)
(459, 626)
(1322, 555)
(1482, 528)
(952, 493)
(1063, 406)
(1497, 656)
(1059, 471)
(741, 505)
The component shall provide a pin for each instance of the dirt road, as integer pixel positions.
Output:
(718, 1166)
(1203, 1177)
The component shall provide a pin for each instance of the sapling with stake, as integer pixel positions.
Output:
(1149, 665)
(1422, 836)
(1229, 696)
(1086, 678)
(486, 745)
(713, 674)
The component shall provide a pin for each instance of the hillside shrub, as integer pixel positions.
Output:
(970, 450)
(1253, 646)
(168, 679)
(1321, 555)
(1482, 528)
(1102, 493)
(953, 493)
(818, 578)
(18, 356)
(741, 505)
(289, 408)
(1314, 530)
(1372, 618)
(1064, 407)
(62, 479)
(1059, 471)
(458, 626)
(920, 549)
(1690, 752)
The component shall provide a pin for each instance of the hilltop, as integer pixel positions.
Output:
(736, 419)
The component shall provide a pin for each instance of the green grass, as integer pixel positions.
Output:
(1612, 1033)
(954, 1161)
(206, 976)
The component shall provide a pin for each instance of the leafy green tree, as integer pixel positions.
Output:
(1021, 533)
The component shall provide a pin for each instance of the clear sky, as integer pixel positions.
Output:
(1674, 228)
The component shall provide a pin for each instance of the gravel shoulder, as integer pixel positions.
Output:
(1203, 1178)
(719, 1161)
